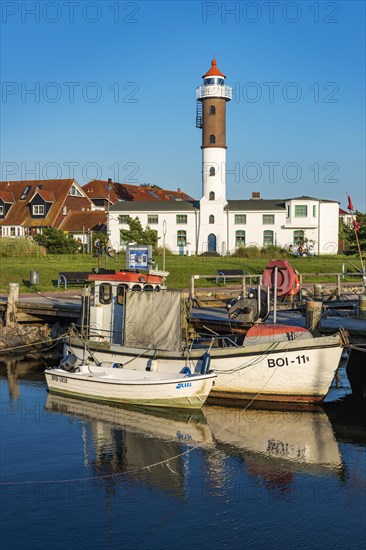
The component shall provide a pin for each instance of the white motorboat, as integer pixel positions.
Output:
(116, 385)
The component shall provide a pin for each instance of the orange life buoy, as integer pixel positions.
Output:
(286, 281)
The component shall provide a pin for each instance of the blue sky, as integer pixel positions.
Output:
(114, 93)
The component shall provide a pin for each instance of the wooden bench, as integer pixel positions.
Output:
(232, 273)
(78, 277)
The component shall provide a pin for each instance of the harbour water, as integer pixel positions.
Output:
(76, 474)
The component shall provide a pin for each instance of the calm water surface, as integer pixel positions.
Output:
(83, 475)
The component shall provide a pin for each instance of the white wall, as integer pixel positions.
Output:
(198, 227)
(171, 228)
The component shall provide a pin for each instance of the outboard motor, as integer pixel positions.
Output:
(68, 362)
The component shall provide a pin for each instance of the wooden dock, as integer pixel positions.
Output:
(42, 308)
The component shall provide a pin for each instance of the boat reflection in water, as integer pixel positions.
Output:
(154, 447)
(273, 442)
(150, 446)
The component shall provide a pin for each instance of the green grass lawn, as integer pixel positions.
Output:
(16, 269)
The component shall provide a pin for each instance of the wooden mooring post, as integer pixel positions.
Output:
(11, 308)
(318, 292)
(313, 316)
(361, 310)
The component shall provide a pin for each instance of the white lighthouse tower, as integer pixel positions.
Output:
(211, 117)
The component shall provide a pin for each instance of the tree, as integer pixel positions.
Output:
(56, 241)
(361, 234)
(347, 234)
(137, 235)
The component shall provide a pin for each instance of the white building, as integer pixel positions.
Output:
(216, 224)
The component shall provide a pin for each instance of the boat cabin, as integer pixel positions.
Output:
(106, 312)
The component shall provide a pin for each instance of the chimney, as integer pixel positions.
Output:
(256, 195)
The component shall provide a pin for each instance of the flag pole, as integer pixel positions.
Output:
(355, 224)
(359, 250)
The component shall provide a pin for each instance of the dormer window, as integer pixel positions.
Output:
(25, 192)
(212, 138)
(1, 210)
(38, 209)
(74, 191)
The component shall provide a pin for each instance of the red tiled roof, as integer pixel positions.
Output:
(77, 222)
(214, 71)
(97, 189)
(343, 212)
(47, 196)
(7, 196)
(20, 212)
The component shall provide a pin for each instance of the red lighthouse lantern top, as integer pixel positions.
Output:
(214, 71)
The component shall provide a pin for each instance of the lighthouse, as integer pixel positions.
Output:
(212, 97)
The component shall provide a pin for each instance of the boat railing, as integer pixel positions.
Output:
(245, 279)
(93, 332)
(224, 341)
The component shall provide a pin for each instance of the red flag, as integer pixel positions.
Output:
(356, 225)
(350, 205)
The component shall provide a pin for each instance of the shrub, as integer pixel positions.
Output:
(273, 251)
(159, 251)
(20, 247)
(247, 252)
(56, 241)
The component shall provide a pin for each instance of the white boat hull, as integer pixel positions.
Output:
(295, 371)
(126, 387)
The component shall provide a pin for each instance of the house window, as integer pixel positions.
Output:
(212, 110)
(18, 231)
(181, 238)
(212, 138)
(123, 218)
(240, 219)
(181, 218)
(38, 210)
(288, 210)
(268, 219)
(25, 192)
(152, 219)
(298, 237)
(267, 238)
(301, 211)
(105, 293)
(239, 238)
(211, 196)
(1, 210)
(211, 219)
(12, 231)
(75, 191)
(314, 210)
(212, 171)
